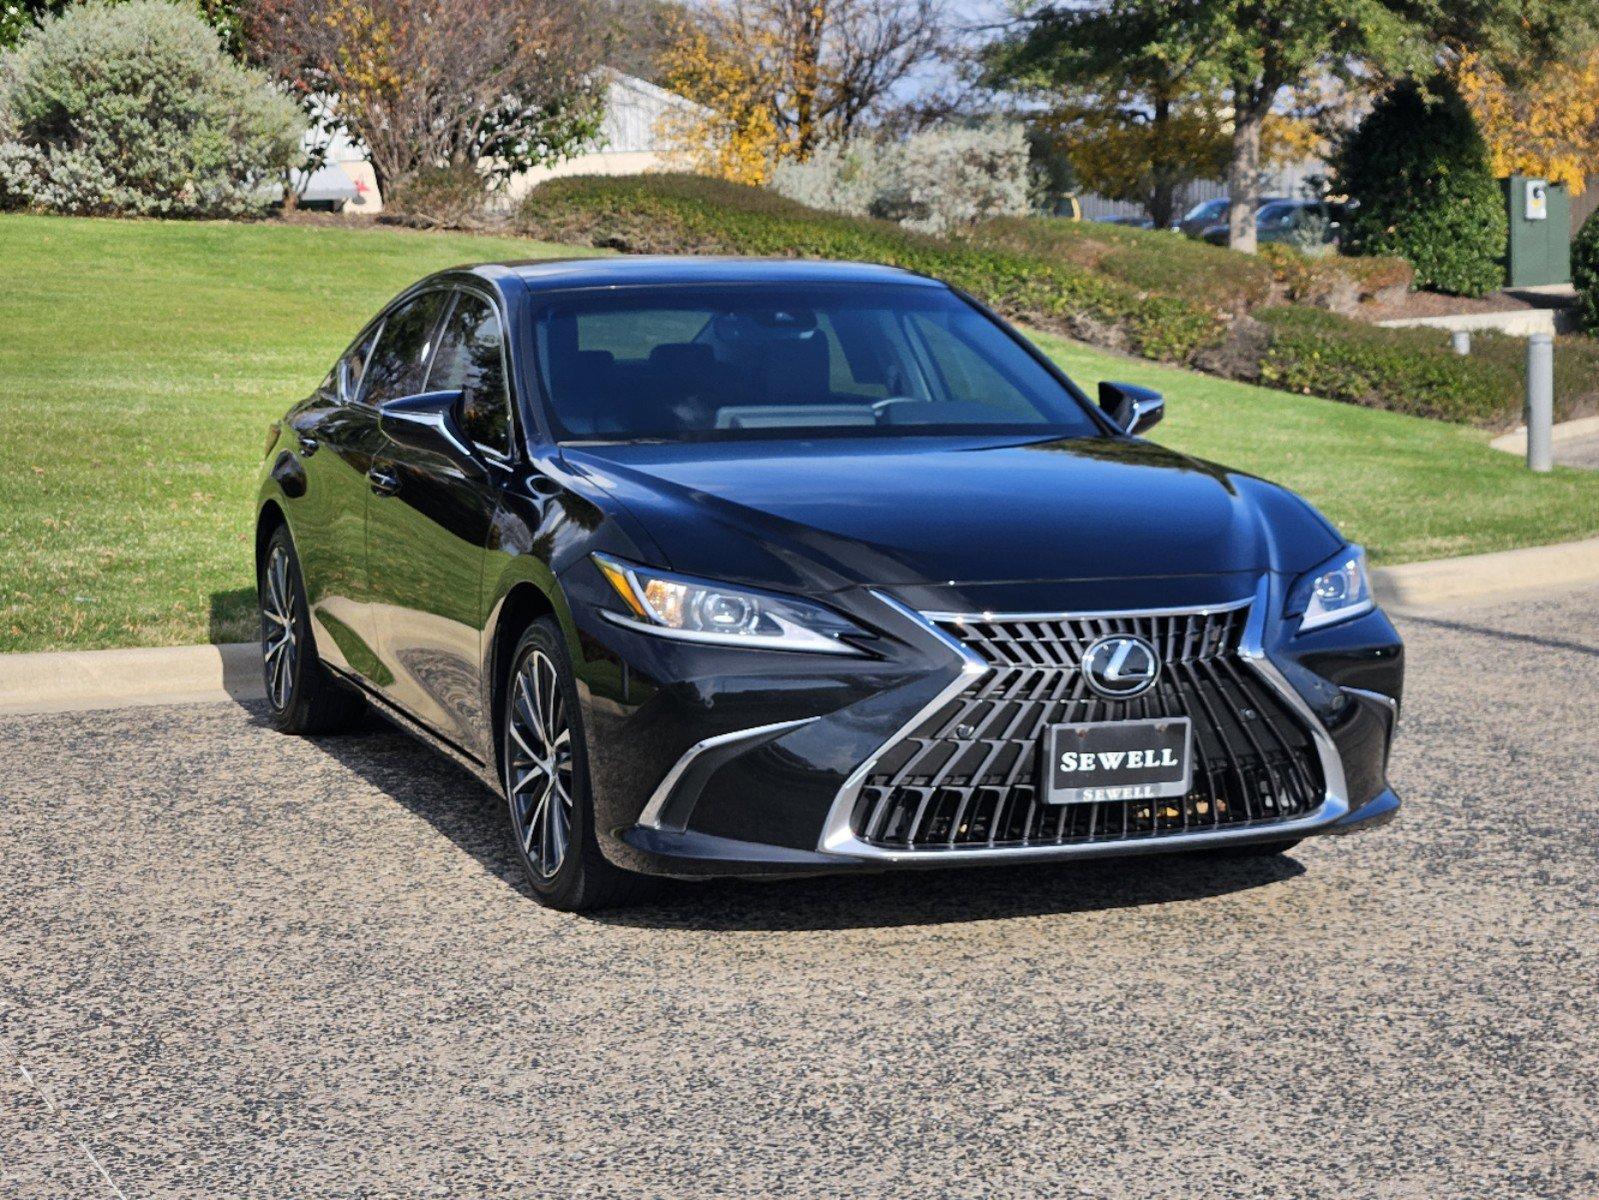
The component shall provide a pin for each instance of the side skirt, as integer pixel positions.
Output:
(425, 734)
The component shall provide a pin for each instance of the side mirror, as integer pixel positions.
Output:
(1134, 409)
(430, 421)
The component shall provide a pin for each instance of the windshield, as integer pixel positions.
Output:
(737, 361)
(1206, 210)
(1276, 215)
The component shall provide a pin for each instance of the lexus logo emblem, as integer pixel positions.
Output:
(1121, 667)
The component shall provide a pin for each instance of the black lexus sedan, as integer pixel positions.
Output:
(745, 567)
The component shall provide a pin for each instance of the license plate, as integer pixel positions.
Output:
(1117, 760)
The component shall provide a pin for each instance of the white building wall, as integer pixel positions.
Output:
(629, 141)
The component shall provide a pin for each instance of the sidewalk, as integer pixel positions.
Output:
(1576, 443)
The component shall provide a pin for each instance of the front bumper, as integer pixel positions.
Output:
(710, 761)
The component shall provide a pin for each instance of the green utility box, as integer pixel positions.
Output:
(1540, 232)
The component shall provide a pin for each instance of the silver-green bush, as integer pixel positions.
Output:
(937, 181)
(134, 108)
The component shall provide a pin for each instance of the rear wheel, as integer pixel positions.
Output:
(544, 758)
(302, 695)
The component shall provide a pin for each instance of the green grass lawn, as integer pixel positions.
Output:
(140, 363)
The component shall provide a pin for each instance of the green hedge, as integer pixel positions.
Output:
(1164, 262)
(1078, 281)
(683, 214)
(1415, 371)
(1585, 272)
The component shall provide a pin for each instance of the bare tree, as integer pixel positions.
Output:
(441, 83)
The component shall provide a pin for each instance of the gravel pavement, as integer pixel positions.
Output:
(234, 963)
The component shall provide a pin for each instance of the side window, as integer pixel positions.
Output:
(396, 366)
(470, 359)
(352, 366)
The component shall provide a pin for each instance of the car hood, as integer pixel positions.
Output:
(824, 514)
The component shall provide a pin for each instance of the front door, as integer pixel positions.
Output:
(334, 439)
(427, 535)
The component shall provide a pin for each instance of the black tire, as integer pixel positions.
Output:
(1255, 849)
(303, 697)
(581, 879)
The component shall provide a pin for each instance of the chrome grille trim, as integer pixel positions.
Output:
(839, 835)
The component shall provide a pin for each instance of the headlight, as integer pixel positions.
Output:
(1335, 591)
(696, 610)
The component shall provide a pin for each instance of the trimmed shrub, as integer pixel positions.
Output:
(939, 181)
(1414, 371)
(1321, 354)
(1149, 260)
(453, 197)
(1585, 272)
(135, 108)
(1419, 167)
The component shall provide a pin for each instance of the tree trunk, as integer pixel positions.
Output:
(807, 75)
(1243, 175)
(1163, 171)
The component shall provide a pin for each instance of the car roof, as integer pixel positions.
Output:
(636, 270)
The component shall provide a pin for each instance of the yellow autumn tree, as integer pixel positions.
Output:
(1547, 127)
(734, 136)
(781, 77)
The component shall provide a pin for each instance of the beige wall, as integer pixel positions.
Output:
(626, 162)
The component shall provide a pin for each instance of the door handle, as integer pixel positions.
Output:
(384, 483)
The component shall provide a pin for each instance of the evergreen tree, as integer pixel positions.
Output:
(1419, 167)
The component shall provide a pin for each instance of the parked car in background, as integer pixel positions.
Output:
(1207, 213)
(1292, 221)
(745, 567)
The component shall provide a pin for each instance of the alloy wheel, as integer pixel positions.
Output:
(539, 764)
(279, 631)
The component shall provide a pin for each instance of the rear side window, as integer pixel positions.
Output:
(469, 358)
(397, 365)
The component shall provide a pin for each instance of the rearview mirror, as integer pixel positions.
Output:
(426, 422)
(1134, 409)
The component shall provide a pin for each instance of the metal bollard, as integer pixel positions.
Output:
(1540, 401)
(1461, 341)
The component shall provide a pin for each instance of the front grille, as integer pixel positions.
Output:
(968, 775)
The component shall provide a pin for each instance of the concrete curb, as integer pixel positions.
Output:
(1515, 442)
(1506, 574)
(79, 680)
(72, 680)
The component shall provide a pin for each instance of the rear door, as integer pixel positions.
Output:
(427, 539)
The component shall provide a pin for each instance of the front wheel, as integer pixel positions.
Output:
(302, 695)
(544, 758)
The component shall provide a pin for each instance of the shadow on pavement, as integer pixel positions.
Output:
(1504, 635)
(233, 620)
(473, 818)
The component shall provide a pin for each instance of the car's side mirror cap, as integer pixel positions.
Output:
(430, 421)
(1134, 409)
